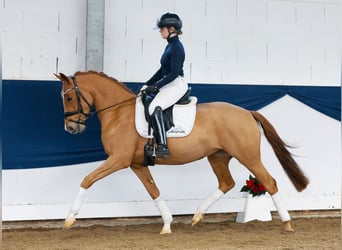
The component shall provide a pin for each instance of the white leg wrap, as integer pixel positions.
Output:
(217, 194)
(163, 209)
(280, 206)
(75, 207)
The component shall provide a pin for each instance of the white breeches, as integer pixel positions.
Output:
(169, 94)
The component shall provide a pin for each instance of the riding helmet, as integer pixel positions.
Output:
(169, 20)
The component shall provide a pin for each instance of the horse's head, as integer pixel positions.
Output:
(76, 107)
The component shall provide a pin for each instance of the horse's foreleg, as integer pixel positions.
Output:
(75, 208)
(146, 178)
(105, 169)
(219, 163)
(166, 215)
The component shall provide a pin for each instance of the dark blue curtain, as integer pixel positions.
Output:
(33, 129)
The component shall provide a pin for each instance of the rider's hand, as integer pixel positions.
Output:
(151, 90)
(143, 87)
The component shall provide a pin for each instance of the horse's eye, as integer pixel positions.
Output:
(68, 98)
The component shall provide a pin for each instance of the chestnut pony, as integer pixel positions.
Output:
(221, 131)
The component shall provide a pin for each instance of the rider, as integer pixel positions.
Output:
(167, 84)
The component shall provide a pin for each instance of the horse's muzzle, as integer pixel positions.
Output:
(74, 128)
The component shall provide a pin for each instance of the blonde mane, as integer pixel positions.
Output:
(103, 75)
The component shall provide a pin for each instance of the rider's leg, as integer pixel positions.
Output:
(167, 96)
(159, 132)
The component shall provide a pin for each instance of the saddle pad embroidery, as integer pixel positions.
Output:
(183, 118)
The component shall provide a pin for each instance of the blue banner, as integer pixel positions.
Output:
(33, 125)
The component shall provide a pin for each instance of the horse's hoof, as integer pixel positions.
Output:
(197, 219)
(288, 227)
(68, 224)
(165, 231)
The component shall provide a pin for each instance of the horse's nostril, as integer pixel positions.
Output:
(70, 129)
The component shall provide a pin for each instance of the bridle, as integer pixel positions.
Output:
(80, 111)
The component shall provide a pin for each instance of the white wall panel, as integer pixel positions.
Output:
(252, 52)
(311, 54)
(202, 72)
(282, 53)
(333, 54)
(194, 51)
(41, 35)
(325, 74)
(69, 64)
(281, 12)
(251, 11)
(116, 24)
(296, 74)
(225, 10)
(208, 29)
(152, 49)
(222, 50)
(274, 35)
(312, 13)
(12, 67)
(154, 8)
(325, 34)
(13, 20)
(142, 73)
(238, 32)
(249, 73)
(38, 21)
(295, 25)
(190, 11)
(332, 14)
(35, 66)
(49, 47)
(288, 32)
(31, 4)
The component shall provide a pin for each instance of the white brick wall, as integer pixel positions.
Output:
(226, 41)
(230, 41)
(41, 37)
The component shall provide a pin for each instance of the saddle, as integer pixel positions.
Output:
(167, 113)
(178, 120)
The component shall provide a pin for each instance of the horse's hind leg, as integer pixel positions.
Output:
(146, 178)
(219, 163)
(260, 172)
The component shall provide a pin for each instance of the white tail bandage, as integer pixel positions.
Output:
(217, 194)
(280, 206)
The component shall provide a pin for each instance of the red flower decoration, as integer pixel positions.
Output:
(254, 187)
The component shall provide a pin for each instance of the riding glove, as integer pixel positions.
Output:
(151, 90)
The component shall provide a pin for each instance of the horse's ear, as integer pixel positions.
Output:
(62, 77)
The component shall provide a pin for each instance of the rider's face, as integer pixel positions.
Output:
(164, 32)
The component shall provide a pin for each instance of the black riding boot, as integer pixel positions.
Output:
(159, 132)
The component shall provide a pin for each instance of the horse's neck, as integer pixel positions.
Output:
(107, 92)
(111, 99)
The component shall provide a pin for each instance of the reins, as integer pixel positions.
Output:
(116, 104)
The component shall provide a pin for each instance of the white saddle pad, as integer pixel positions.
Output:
(183, 118)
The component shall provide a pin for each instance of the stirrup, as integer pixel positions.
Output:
(162, 151)
(149, 150)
